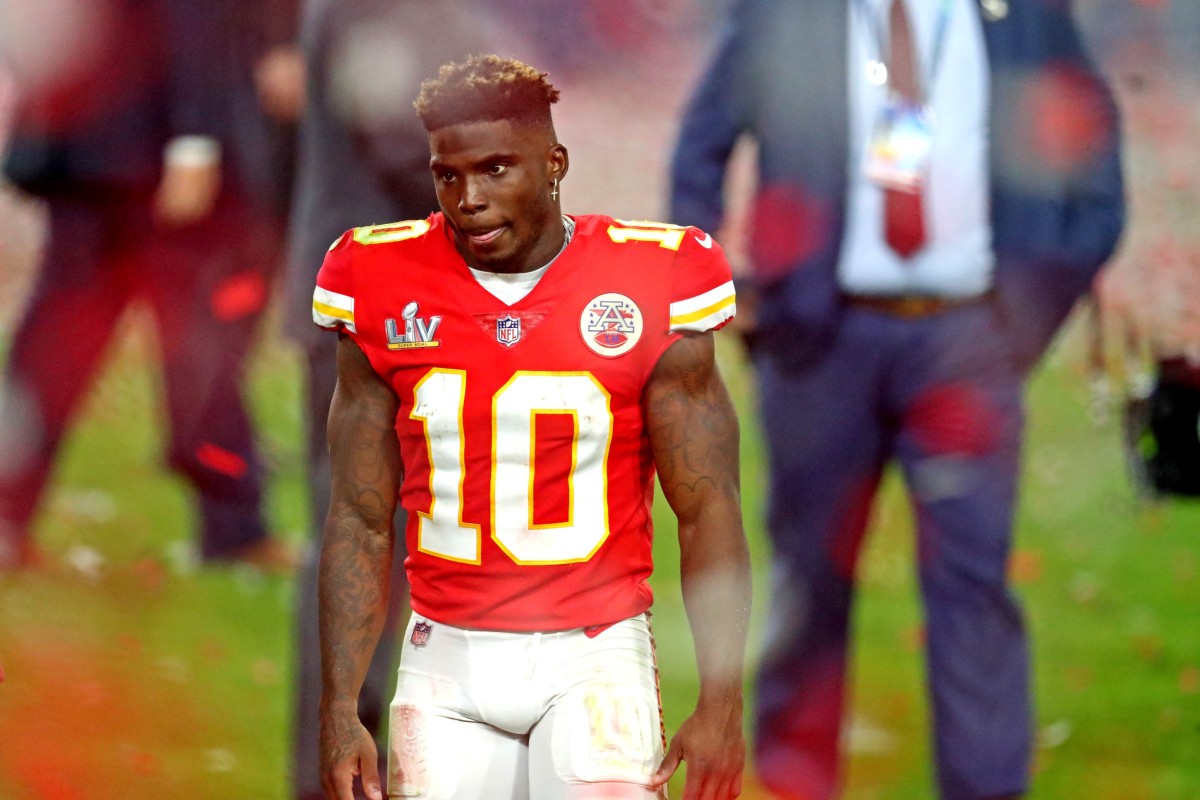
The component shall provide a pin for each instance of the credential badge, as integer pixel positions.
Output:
(418, 331)
(611, 324)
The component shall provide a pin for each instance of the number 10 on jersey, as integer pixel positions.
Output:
(439, 399)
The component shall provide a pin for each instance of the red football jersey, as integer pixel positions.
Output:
(528, 474)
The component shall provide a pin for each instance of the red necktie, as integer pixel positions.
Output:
(904, 218)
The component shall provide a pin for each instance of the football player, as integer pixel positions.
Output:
(515, 377)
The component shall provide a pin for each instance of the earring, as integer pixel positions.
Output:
(554, 190)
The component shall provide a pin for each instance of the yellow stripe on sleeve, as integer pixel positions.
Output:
(699, 314)
(332, 311)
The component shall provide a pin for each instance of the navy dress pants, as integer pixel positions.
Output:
(938, 396)
(206, 286)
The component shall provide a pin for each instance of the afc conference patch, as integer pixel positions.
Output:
(508, 330)
(611, 324)
(420, 634)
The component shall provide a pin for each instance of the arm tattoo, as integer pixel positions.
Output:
(357, 545)
(692, 425)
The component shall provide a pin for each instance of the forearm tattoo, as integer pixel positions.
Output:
(356, 551)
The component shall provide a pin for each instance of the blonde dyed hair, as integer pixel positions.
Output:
(485, 88)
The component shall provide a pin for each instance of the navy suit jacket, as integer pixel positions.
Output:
(780, 76)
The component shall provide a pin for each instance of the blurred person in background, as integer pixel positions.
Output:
(363, 159)
(938, 182)
(139, 125)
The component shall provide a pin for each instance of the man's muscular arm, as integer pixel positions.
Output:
(356, 554)
(694, 435)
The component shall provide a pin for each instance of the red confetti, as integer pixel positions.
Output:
(913, 638)
(144, 763)
(214, 650)
(1065, 119)
(1148, 647)
(846, 543)
(131, 644)
(221, 460)
(239, 296)
(953, 419)
(789, 226)
(151, 572)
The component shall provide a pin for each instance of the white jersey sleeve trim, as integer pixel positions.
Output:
(332, 310)
(704, 311)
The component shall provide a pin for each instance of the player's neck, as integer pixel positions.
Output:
(557, 239)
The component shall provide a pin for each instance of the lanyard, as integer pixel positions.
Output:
(945, 7)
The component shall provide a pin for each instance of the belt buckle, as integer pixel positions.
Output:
(909, 306)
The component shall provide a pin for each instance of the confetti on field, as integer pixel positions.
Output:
(1189, 680)
(1025, 566)
(1055, 734)
(1084, 588)
(144, 762)
(1148, 647)
(150, 573)
(181, 557)
(913, 638)
(174, 669)
(265, 672)
(219, 759)
(87, 561)
(864, 736)
(1079, 678)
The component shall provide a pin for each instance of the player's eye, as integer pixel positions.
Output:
(497, 169)
(445, 177)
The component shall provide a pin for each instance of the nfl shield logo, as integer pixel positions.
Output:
(508, 330)
(420, 634)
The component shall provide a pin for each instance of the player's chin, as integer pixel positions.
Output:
(494, 246)
(498, 256)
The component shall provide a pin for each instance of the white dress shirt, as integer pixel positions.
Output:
(957, 258)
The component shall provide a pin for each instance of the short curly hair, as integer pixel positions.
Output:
(485, 88)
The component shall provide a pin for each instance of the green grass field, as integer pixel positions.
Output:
(130, 672)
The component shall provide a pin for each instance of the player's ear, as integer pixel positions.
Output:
(558, 161)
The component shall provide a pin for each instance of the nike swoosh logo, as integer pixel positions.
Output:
(706, 242)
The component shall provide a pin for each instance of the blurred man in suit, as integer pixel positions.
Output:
(938, 183)
(363, 159)
(139, 125)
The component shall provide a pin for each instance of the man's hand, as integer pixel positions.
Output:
(191, 180)
(710, 741)
(347, 749)
(187, 194)
(279, 77)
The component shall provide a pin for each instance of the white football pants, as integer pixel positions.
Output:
(525, 716)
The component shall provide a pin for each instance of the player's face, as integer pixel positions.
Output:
(493, 182)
